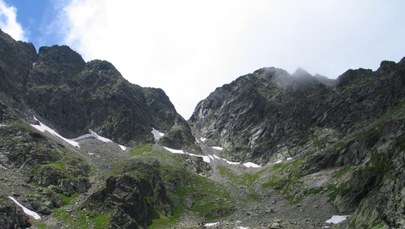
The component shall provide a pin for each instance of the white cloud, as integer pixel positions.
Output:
(190, 47)
(8, 22)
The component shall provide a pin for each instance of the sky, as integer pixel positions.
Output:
(190, 47)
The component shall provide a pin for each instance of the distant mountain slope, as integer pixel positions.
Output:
(72, 96)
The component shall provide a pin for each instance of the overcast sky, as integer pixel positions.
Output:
(190, 47)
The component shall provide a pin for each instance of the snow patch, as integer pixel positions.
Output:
(217, 148)
(206, 159)
(26, 210)
(289, 158)
(2, 125)
(217, 157)
(211, 157)
(1, 166)
(157, 134)
(203, 139)
(103, 139)
(176, 151)
(251, 165)
(240, 227)
(231, 162)
(337, 219)
(211, 224)
(41, 127)
(98, 137)
(278, 162)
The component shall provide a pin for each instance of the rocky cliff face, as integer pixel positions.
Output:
(259, 112)
(72, 96)
(354, 125)
(134, 195)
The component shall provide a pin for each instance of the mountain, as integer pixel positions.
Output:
(268, 109)
(60, 88)
(346, 137)
(64, 127)
(81, 147)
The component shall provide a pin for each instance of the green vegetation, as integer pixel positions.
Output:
(161, 221)
(186, 190)
(67, 167)
(54, 165)
(342, 171)
(141, 149)
(243, 179)
(40, 225)
(284, 174)
(336, 190)
(379, 225)
(253, 197)
(284, 178)
(82, 219)
(100, 221)
(247, 179)
(205, 197)
(68, 199)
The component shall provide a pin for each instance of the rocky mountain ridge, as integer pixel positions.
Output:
(72, 96)
(269, 108)
(346, 138)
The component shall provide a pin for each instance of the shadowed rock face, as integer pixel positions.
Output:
(73, 96)
(16, 60)
(12, 216)
(133, 196)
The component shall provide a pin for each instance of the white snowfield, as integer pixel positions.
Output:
(44, 128)
(217, 148)
(203, 139)
(41, 127)
(251, 165)
(231, 162)
(157, 134)
(336, 219)
(179, 151)
(26, 210)
(103, 139)
(98, 137)
(281, 160)
(176, 151)
(210, 158)
(211, 224)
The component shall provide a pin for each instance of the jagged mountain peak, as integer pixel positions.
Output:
(300, 72)
(72, 96)
(263, 102)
